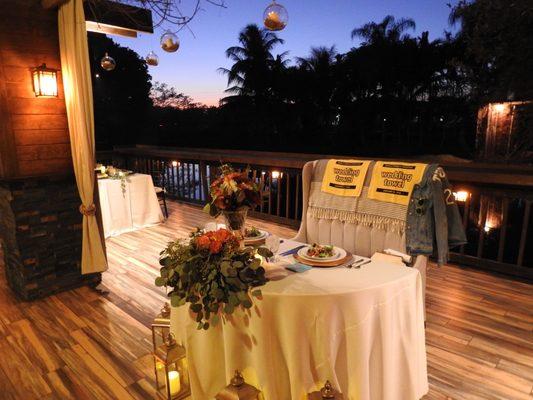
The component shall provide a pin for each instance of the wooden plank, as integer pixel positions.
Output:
(478, 334)
(40, 122)
(32, 168)
(27, 137)
(43, 152)
(37, 105)
(8, 160)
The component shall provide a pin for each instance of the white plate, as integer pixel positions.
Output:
(337, 254)
(262, 236)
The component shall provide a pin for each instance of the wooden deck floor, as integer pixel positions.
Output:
(88, 344)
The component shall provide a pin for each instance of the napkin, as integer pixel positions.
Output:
(278, 269)
(387, 258)
(298, 267)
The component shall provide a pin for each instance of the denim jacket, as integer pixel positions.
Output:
(433, 217)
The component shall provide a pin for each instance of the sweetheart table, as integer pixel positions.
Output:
(134, 208)
(362, 329)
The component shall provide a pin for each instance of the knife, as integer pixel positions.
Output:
(360, 263)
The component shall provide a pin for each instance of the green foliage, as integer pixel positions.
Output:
(392, 94)
(122, 104)
(232, 191)
(497, 36)
(212, 284)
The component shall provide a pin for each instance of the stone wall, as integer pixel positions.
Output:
(41, 235)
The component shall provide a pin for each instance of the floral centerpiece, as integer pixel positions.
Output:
(111, 172)
(211, 273)
(233, 193)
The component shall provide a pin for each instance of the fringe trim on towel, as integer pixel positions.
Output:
(368, 220)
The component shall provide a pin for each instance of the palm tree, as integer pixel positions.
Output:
(250, 75)
(320, 73)
(388, 30)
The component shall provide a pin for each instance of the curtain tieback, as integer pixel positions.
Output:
(88, 211)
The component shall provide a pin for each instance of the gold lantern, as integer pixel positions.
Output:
(326, 393)
(171, 371)
(169, 42)
(275, 17)
(152, 59)
(238, 389)
(44, 81)
(161, 326)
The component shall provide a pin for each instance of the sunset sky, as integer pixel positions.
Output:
(193, 68)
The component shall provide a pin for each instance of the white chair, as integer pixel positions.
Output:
(361, 240)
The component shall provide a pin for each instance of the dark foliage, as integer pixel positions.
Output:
(393, 95)
(122, 106)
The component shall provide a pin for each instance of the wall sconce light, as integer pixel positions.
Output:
(461, 196)
(44, 81)
(500, 108)
(276, 175)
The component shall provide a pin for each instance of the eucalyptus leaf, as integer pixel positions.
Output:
(212, 284)
(264, 252)
(197, 307)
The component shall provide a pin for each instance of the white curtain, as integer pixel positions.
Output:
(79, 101)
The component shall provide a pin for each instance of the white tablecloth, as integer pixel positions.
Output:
(137, 208)
(363, 329)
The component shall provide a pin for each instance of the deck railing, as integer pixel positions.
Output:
(495, 200)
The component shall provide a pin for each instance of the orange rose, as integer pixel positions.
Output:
(215, 247)
(203, 242)
(222, 235)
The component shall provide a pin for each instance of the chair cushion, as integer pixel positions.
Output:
(358, 239)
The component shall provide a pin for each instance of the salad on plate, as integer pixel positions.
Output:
(252, 232)
(320, 251)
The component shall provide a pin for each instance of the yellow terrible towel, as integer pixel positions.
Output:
(345, 177)
(393, 182)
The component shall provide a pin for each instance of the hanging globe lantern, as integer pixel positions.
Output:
(152, 59)
(275, 17)
(170, 42)
(108, 63)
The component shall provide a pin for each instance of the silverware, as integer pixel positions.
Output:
(359, 263)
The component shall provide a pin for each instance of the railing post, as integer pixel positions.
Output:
(203, 181)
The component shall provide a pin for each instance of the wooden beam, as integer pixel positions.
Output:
(47, 4)
(117, 18)
(109, 29)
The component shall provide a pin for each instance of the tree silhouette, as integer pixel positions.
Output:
(391, 95)
(388, 30)
(250, 75)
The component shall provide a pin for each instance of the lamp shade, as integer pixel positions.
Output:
(44, 81)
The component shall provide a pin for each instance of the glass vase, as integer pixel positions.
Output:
(236, 221)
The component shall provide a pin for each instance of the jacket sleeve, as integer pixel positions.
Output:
(440, 216)
(456, 232)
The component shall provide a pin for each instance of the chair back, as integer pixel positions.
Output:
(358, 239)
